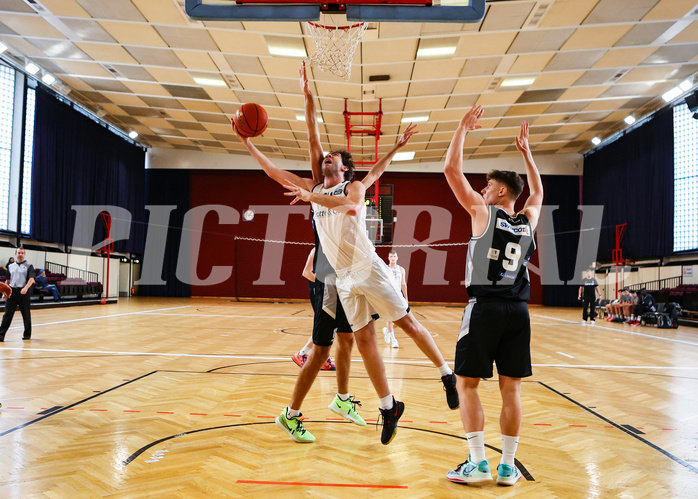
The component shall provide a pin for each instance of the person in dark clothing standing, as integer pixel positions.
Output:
(588, 292)
(21, 281)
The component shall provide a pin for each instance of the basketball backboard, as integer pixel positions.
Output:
(431, 11)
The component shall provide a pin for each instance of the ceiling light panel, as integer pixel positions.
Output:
(285, 46)
(436, 47)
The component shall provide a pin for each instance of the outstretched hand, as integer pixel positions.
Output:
(237, 132)
(297, 191)
(305, 84)
(469, 121)
(522, 140)
(407, 134)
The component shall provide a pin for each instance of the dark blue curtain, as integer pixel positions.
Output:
(168, 188)
(633, 178)
(563, 191)
(79, 162)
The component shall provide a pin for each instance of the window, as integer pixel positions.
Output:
(29, 111)
(685, 179)
(7, 101)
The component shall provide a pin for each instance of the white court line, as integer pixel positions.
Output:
(304, 318)
(624, 331)
(101, 317)
(566, 355)
(286, 358)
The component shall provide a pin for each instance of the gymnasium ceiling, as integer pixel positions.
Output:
(590, 63)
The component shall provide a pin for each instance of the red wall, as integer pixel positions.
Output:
(241, 189)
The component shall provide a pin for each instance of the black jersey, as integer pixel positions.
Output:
(589, 286)
(497, 263)
(321, 266)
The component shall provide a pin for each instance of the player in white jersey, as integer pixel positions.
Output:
(496, 327)
(339, 215)
(399, 280)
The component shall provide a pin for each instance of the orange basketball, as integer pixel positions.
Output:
(5, 289)
(250, 120)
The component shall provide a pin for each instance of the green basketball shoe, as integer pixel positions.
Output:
(346, 409)
(294, 428)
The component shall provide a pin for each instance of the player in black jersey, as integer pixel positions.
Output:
(496, 326)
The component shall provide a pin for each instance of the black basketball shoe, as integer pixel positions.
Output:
(449, 382)
(390, 418)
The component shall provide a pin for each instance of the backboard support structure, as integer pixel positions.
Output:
(432, 11)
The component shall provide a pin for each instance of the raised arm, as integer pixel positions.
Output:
(312, 126)
(470, 199)
(281, 176)
(535, 185)
(350, 205)
(377, 170)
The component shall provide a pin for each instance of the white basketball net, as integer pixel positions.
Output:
(334, 46)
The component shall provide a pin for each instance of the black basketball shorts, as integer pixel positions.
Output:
(329, 314)
(494, 332)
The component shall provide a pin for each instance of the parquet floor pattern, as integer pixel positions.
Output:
(177, 398)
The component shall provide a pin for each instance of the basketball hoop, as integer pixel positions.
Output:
(335, 45)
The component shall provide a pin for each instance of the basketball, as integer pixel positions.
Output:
(5, 289)
(250, 120)
(103, 301)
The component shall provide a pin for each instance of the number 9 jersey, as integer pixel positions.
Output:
(497, 263)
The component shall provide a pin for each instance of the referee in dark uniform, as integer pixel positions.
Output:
(21, 280)
(496, 326)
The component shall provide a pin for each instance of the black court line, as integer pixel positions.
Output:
(65, 408)
(50, 410)
(524, 472)
(633, 429)
(625, 430)
(296, 313)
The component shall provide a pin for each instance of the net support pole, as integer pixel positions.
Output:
(235, 270)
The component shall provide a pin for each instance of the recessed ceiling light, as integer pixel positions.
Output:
(596, 141)
(403, 156)
(301, 117)
(211, 81)
(686, 85)
(415, 119)
(630, 120)
(32, 68)
(285, 46)
(672, 94)
(3, 47)
(518, 82)
(436, 51)
(437, 47)
(133, 134)
(48, 78)
(288, 52)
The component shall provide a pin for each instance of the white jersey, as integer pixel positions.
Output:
(343, 237)
(397, 275)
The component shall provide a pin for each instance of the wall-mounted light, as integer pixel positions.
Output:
(596, 141)
(48, 79)
(32, 68)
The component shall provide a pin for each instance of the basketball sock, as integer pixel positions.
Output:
(292, 413)
(509, 445)
(305, 350)
(476, 446)
(444, 370)
(343, 396)
(387, 402)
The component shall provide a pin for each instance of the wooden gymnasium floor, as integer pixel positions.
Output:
(176, 398)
